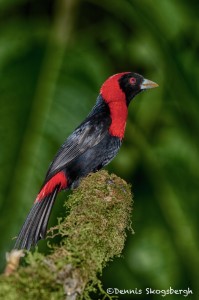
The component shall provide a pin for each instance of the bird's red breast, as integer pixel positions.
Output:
(116, 99)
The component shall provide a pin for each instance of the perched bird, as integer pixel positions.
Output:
(93, 144)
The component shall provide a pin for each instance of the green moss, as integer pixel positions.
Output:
(92, 234)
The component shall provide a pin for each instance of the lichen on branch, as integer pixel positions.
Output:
(92, 233)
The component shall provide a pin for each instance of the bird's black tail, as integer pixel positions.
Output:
(35, 225)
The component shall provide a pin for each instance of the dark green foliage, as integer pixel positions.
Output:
(48, 86)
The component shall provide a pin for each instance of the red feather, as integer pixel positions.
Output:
(48, 188)
(119, 114)
(116, 100)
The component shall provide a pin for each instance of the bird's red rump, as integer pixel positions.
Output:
(57, 179)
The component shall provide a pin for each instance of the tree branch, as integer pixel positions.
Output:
(92, 233)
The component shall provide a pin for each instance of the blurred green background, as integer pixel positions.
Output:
(54, 55)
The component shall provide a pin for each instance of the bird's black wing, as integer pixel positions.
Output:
(87, 135)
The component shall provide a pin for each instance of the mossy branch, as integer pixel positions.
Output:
(92, 233)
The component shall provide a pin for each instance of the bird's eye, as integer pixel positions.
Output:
(132, 80)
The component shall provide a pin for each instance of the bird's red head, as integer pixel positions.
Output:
(117, 91)
(123, 87)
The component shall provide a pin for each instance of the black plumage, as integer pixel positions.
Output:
(92, 145)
